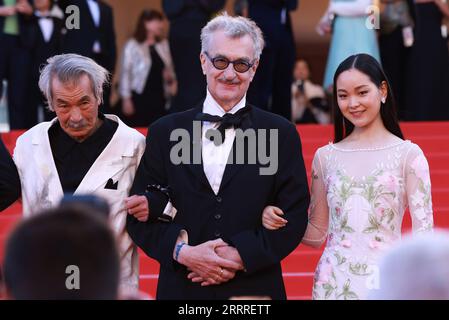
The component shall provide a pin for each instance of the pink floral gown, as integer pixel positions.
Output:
(367, 192)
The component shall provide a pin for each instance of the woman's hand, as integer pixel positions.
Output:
(271, 218)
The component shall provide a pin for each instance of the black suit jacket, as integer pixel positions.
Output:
(9, 179)
(82, 41)
(267, 15)
(234, 214)
(39, 49)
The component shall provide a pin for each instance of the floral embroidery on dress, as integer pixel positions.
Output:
(367, 193)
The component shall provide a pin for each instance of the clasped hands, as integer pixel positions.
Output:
(211, 263)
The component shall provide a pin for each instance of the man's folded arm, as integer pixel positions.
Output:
(260, 247)
(157, 239)
(151, 171)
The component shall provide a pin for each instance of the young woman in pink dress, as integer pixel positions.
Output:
(362, 184)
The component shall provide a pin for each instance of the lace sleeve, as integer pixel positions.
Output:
(417, 183)
(317, 227)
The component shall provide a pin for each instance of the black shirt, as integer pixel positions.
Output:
(73, 159)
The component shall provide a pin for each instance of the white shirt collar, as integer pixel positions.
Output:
(46, 14)
(94, 8)
(212, 107)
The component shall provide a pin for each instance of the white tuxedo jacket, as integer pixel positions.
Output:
(41, 187)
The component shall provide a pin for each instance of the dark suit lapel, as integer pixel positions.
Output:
(233, 168)
(196, 169)
(39, 34)
(102, 7)
(90, 19)
(56, 30)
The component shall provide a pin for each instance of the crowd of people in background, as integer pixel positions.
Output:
(157, 76)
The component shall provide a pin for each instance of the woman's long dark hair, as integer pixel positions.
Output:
(370, 67)
(140, 33)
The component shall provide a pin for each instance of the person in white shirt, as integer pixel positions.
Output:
(95, 38)
(309, 103)
(46, 33)
(81, 151)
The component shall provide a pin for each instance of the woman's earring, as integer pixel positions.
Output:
(383, 99)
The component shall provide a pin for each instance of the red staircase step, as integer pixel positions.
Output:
(301, 261)
(425, 128)
(148, 265)
(298, 285)
(7, 222)
(148, 284)
(14, 209)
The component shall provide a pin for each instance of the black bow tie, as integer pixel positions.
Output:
(238, 119)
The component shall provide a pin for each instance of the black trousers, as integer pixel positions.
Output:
(105, 107)
(15, 68)
(394, 58)
(271, 86)
(185, 48)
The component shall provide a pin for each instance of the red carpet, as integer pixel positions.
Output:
(299, 266)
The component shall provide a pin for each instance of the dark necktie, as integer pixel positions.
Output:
(237, 120)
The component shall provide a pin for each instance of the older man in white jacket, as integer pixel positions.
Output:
(81, 151)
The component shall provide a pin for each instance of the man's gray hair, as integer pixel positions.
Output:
(415, 268)
(69, 68)
(233, 27)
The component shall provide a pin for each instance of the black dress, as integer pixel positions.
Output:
(427, 95)
(394, 57)
(150, 104)
(394, 53)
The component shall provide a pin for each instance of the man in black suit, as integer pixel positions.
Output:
(271, 86)
(187, 18)
(215, 246)
(95, 38)
(45, 38)
(14, 58)
(9, 179)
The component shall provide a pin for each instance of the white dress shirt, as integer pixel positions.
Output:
(45, 24)
(94, 8)
(216, 157)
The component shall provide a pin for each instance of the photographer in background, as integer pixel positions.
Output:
(309, 103)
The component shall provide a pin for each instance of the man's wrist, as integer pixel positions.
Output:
(178, 249)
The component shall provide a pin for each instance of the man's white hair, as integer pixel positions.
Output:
(68, 68)
(233, 27)
(416, 269)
